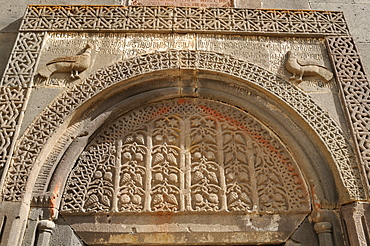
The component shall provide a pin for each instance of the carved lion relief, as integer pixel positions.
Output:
(185, 155)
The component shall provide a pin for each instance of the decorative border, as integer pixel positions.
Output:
(54, 115)
(11, 105)
(355, 89)
(183, 19)
(22, 62)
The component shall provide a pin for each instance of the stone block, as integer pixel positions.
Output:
(63, 235)
(278, 4)
(333, 1)
(248, 4)
(7, 40)
(356, 15)
(356, 217)
(39, 99)
(11, 220)
(364, 50)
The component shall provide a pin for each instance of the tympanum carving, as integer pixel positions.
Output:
(185, 155)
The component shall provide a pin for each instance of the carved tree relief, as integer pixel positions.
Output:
(185, 155)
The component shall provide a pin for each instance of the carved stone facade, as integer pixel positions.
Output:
(185, 155)
(172, 116)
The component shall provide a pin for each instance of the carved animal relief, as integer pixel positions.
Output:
(185, 155)
(68, 64)
(300, 68)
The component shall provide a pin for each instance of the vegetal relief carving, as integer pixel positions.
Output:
(132, 173)
(166, 188)
(205, 171)
(192, 155)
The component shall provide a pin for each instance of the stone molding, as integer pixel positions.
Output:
(23, 60)
(183, 19)
(56, 113)
(355, 88)
(11, 105)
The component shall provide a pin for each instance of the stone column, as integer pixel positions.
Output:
(45, 229)
(324, 232)
(356, 217)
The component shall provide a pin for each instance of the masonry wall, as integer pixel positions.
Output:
(355, 11)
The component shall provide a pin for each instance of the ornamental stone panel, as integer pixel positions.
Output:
(184, 125)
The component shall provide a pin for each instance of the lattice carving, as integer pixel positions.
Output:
(356, 91)
(52, 117)
(185, 155)
(186, 3)
(11, 104)
(22, 62)
(139, 18)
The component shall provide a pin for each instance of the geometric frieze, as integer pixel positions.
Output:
(183, 19)
(23, 59)
(12, 102)
(186, 3)
(53, 116)
(355, 89)
(185, 155)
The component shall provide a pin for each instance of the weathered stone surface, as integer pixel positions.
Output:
(248, 4)
(356, 16)
(364, 51)
(40, 97)
(357, 221)
(63, 234)
(7, 40)
(277, 4)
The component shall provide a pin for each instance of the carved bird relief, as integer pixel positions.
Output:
(299, 69)
(68, 64)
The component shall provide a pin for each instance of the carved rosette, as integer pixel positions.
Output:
(185, 155)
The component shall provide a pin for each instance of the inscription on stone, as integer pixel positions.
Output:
(268, 52)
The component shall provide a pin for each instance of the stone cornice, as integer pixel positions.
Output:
(183, 20)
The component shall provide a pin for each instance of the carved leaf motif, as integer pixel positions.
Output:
(197, 139)
(171, 158)
(140, 139)
(228, 157)
(129, 139)
(212, 177)
(244, 197)
(158, 158)
(157, 199)
(241, 156)
(227, 139)
(210, 139)
(105, 200)
(239, 139)
(171, 198)
(126, 177)
(197, 176)
(91, 200)
(138, 178)
(273, 177)
(233, 196)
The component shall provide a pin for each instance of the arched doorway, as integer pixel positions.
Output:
(185, 171)
(253, 93)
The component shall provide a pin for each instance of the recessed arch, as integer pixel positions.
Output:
(72, 107)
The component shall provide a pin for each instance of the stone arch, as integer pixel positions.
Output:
(34, 159)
